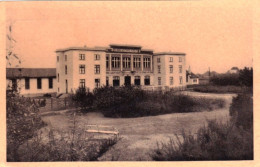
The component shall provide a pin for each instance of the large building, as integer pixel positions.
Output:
(118, 65)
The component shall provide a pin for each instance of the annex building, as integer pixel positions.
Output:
(118, 65)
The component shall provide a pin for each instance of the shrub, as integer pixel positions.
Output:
(221, 89)
(23, 122)
(225, 79)
(83, 98)
(218, 141)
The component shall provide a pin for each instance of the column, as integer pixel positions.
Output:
(110, 62)
(142, 63)
(121, 62)
(151, 63)
(132, 64)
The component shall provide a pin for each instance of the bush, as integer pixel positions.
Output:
(23, 122)
(221, 89)
(225, 79)
(216, 142)
(83, 99)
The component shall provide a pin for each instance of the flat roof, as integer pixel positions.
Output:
(82, 48)
(125, 46)
(169, 53)
(30, 72)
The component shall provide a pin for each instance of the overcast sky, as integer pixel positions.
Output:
(212, 34)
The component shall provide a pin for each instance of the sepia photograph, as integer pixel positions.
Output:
(129, 81)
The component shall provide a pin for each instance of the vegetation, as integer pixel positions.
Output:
(134, 102)
(222, 89)
(218, 141)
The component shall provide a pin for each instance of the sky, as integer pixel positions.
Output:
(215, 34)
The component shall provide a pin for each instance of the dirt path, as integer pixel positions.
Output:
(140, 135)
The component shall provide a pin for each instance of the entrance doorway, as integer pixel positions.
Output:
(127, 80)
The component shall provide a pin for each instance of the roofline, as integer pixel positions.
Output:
(169, 53)
(126, 46)
(81, 48)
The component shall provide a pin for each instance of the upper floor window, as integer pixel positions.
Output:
(97, 83)
(39, 83)
(159, 69)
(171, 68)
(158, 60)
(81, 56)
(180, 79)
(66, 69)
(107, 62)
(159, 80)
(171, 80)
(180, 68)
(147, 62)
(65, 57)
(58, 58)
(126, 62)
(180, 59)
(97, 69)
(50, 83)
(115, 62)
(137, 62)
(82, 83)
(82, 69)
(27, 83)
(171, 59)
(97, 56)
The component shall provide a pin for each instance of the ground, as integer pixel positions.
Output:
(140, 135)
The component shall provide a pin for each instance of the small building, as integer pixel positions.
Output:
(32, 81)
(191, 78)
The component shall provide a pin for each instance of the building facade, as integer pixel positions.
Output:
(118, 65)
(31, 81)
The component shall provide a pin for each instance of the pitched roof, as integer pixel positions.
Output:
(30, 72)
(192, 75)
(234, 68)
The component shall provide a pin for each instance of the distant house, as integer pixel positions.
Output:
(31, 81)
(191, 78)
(233, 70)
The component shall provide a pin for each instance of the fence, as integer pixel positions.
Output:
(54, 104)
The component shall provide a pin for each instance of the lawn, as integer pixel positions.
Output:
(140, 135)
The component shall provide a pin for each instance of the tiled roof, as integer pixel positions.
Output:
(30, 72)
(170, 53)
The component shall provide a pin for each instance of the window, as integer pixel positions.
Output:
(115, 62)
(97, 69)
(97, 83)
(116, 81)
(82, 83)
(180, 59)
(107, 62)
(147, 80)
(58, 77)
(171, 68)
(180, 68)
(171, 59)
(159, 69)
(159, 80)
(195, 80)
(107, 81)
(14, 84)
(50, 83)
(81, 56)
(137, 62)
(158, 60)
(39, 83)
(27, 83)
(65, 57)
(82, 69)
(180, 79)
(97, 57)
(66, 69)
(137, 80)
(147, 62)
(57, 58)
(126, 62)
(171, 80)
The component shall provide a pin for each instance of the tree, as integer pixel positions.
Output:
(246, 76)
